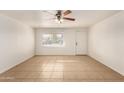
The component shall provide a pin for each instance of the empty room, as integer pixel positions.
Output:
(61, 46)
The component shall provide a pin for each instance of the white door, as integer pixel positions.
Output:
(81, 43)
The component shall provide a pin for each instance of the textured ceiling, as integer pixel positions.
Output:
(37, 18)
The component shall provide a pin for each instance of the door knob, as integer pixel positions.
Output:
(76, 43)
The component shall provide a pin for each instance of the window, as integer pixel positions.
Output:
(53, 40)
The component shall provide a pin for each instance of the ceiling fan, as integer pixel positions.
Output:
(61, 15)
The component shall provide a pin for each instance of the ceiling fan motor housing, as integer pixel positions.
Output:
(59, 14)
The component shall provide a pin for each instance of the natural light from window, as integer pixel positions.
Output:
(53, 40)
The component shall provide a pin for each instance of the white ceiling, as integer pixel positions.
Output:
(36, 19)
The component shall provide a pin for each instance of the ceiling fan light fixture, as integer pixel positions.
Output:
(59, 21)
(56, 20)
(61, 16)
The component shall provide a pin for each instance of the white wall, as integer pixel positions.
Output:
(16, 42)
(69, 38)
(106, 42)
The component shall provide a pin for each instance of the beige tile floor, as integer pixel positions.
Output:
(60, 69)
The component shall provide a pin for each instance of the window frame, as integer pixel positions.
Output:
(53, 45)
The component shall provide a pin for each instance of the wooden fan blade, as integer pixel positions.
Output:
(67, 12)
(71, 19)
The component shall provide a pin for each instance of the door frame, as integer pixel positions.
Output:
(76, 43)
